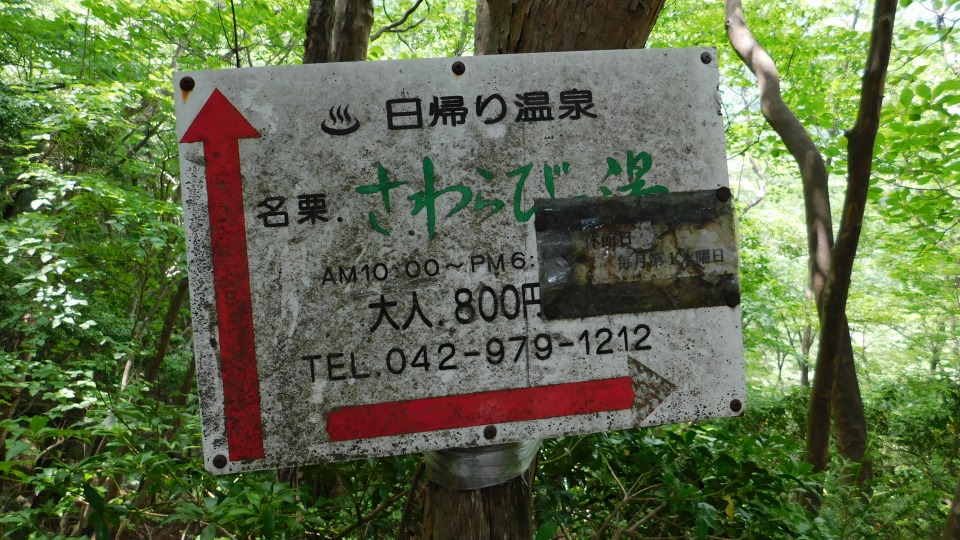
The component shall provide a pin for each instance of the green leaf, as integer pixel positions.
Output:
(38, 422)
(269, 521)
(546, 531)
(16, 448)
(93, 497)
(101, 527)
(209, 532)
(945, 86)
(906, 96)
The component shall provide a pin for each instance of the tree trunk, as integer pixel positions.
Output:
(501, 512)
(952, 531)
(806, 343)
(848, 413)
(351, 30)
(317, 47)
(835, 334)
(526, 26)
(835, 385)
(341, 32)
(337, 31)
(163, 343)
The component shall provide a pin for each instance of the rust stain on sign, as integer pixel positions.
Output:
(657, 252)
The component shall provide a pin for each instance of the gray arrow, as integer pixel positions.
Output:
(650, 388)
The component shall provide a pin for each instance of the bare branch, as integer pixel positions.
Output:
(399, 22)
(761, 183)
(945, 48)
(373, 514)
(408, 506)
(633, 527)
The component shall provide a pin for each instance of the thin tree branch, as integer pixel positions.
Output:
(369, 517)
(408, 506)
(399, 22)
(236, 41)
(761, 183)
(944, 43)
(163, 342)
(633, 528)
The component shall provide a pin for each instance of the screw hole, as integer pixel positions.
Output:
(731, 293)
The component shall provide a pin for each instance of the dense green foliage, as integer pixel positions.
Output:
(98, 415)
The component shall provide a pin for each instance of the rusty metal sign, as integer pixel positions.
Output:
(367, 278)
(656, 252)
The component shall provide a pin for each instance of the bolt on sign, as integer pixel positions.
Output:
(394, 257)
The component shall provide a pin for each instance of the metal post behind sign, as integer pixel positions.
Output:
(480, 467)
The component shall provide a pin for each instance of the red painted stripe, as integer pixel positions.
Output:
(228, 241)
(450, 412)
(219, 126)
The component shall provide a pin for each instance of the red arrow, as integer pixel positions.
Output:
(219, 126)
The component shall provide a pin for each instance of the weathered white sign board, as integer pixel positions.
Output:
(366, 275)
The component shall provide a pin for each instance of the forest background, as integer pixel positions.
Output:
(98, 412)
